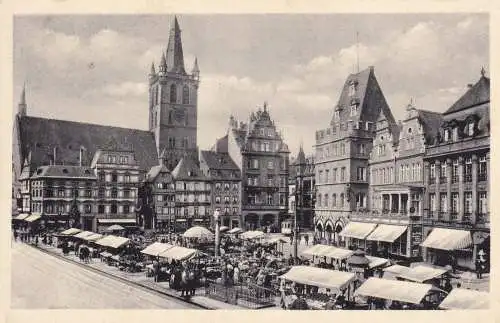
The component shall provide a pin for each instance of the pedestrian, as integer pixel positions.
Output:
(306, 238)
(479, 272)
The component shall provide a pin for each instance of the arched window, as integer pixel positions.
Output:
(173, 93)
(114, 208)
(185, 95)
(341, 199)
(114, 192)
(326, 200)
(334, 200)
(319, 199)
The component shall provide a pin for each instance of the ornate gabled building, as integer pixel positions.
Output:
(259, 151)
(342, 153)
(456, 177)
(172, 113)
(225, 177)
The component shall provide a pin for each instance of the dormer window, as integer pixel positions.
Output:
(470, 128)
(446, 135)
(354, 109)
(455, 134)
(353, 86)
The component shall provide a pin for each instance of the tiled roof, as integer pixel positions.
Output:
(477, 94)
(219, 161)
(431, 122)
(188, 169)
(221, 145)
(155, 170)
(64, 171)
(41, 135)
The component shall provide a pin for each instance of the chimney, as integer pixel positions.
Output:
(55, 155)
(81, 156)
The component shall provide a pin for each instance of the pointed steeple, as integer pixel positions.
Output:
(301, 156)
(175, 55)
(483, 71)
(196, 70)
(22, 106)
(163, 156)
(153, 70)
(163, 64)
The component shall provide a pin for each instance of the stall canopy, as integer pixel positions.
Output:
(112, 241)
(115, 227)
(276, 240)
(421, 274)
(395, 290)
(22, 216)
(249, 235)
(198, 232)
(466, 299)
(448, 239)
(234, 230)
(156, 248)
(93, 237)
(316, 250)
(324, 278)
(387, 233)
(178, 253)
(377, 262)
(338, 253)
(358, 230)
(83, 234)
(397, 269)
(33, 218)
(71, 231)
(116, 221)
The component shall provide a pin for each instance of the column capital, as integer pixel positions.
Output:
(474, 158)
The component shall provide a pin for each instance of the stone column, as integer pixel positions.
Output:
(474, 189)
(448, 189)
(461, 194)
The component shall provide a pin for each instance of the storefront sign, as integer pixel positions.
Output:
(416, 240)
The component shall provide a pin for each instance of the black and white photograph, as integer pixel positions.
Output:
(250, 161)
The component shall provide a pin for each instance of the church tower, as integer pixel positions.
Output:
(173, 102)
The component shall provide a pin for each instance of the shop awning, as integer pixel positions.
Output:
(316, 250)
(397, 269)
(33, 218)
(116, 221)
(199, 220)
(338, 253)
(71, 231)
(466, 299)
(178, 253)
(156, 248)
(324, 278)
(387, 233)
(395, 290)
(421, 274)
(21, 216)
(358, 230)
(180, 220)
(377, 261)
(234, 230)
(113, 241)
(448, 239)
(83, 234)
(93, 237)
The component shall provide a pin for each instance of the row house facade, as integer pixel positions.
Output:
(342, 154)
(259, 151)
(456, 177)
(225, 177)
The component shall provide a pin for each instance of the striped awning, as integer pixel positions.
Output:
(448, 239)
(358, 230)
(387, 233)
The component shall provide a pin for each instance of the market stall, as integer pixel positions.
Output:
(466, 299)
(235, 231)
(383, 293)
(392, 272)
(422, 274)
(251, 235)
(316, 285)
(156, 248)
(178, 253)
(70, 232)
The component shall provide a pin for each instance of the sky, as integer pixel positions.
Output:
(93, 68)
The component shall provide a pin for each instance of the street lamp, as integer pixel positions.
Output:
(217, 232)
(295, 225)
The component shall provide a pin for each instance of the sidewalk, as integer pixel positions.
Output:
(140, 279)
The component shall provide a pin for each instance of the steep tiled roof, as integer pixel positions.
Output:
(188, 169)
(477, 94)
(155, 170)
(431, 122)
(219, 161)
(221, 145)
(64, 171)
(41, 135)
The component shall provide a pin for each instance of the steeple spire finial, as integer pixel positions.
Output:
(153, 71)
(483, 71)
(175, 54)
(265, 106)
(196, 69)
(163, 64)
(22, 106)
